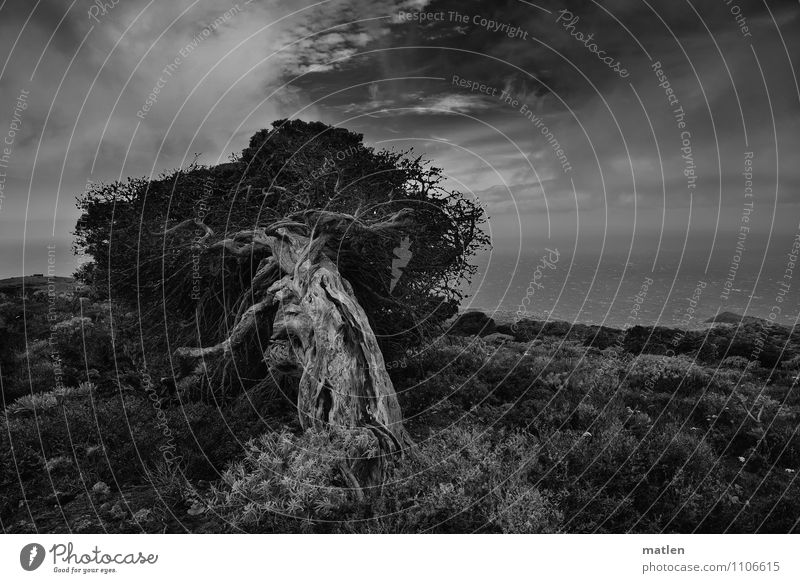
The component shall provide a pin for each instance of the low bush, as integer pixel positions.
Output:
(542, 434)
(462, 479)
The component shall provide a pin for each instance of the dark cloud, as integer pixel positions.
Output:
(361, 64)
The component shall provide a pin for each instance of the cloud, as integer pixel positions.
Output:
(356, 63)
(597, 117)
(90, 80)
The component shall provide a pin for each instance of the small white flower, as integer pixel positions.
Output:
(789, 470)
(741, 459)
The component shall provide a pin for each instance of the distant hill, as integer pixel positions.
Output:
(733, 318)
(13, 286)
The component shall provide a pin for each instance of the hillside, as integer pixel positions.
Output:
(543, 427)
(733, 318)
(15, 286)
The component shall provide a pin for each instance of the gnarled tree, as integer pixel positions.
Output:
(309, 255)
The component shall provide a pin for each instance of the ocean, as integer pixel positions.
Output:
(611, 290)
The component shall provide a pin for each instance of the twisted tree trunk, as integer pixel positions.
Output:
(309, 320)
(344, 380)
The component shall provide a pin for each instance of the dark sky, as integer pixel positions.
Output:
(225, 70)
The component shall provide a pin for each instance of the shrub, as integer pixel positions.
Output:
(288, 483)
(663, 374)
(792, 364)
(613, 481)
(460, 480)
(466, 479)
(48, 400)
(736, 362)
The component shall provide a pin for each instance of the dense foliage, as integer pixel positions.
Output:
(298, 171)
(540, 434)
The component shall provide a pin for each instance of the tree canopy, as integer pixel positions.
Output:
(180, 248)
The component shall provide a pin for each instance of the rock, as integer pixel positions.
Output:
(101, 489)
(473, 323)
(499, 338)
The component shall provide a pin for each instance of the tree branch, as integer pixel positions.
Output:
(238, 335)
(183, 224)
